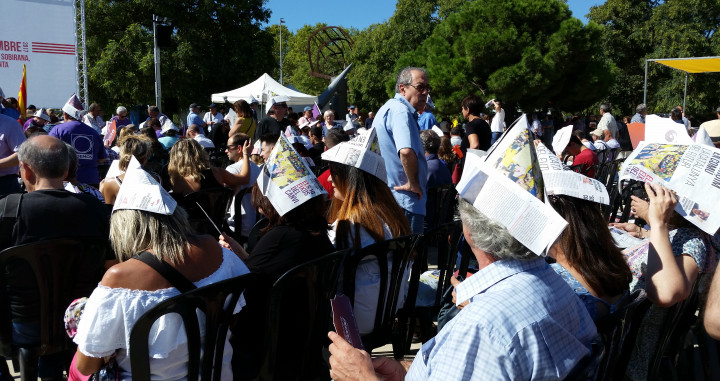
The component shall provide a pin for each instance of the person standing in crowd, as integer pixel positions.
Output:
(352, 114)
(426, 119)
(369, 120)
(10, 107)
(11, 137)
(607, 122)
(94, 118)
(276, 123)
(212, 117)
(194, 116)
(328, 121)
(244, 121)
(86, 140)
(154, 112)
(640, 114)
(307, 117)
(497, 126)
(238, 151)
(400, 145)
(39, 119)
(477, 130)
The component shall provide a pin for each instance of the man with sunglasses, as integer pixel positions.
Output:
(276, 123)
(398, 134)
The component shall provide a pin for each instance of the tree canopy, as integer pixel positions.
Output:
(217, 46)
(529, 53)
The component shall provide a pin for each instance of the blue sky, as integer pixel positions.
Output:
(359, 14)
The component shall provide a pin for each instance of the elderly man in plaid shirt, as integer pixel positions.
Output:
(519, 321)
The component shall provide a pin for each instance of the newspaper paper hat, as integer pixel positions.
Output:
(256, 148)
(506, 186)
(562, 139)
(665, 130)
(361, 152)
(278, 99)
(349, 125)
(561, 181)
(168, 125)
(438, 131)
(286, 179)
(74, 107)
(42, 115)
(140, 191)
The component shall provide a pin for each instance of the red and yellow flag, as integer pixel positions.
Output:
(22, 96)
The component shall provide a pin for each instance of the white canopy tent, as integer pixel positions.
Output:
(263, 89)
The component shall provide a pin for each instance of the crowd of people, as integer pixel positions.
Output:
(321, 185)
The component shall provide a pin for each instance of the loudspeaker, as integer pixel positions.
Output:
(164, 36)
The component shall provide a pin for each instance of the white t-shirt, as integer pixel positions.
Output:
(111, 313)
(204, 141)
(367, 281)
(209, 117)
(498, 121)
(248, 212)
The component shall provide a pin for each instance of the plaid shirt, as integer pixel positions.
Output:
(523, 322)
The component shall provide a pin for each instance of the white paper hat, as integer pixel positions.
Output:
(665, 131)
(438, 131)
(256, 148)
(2, 94)
(140, 191)
(168, 125)
(361, 152)
(74, 107)
(42, 115)
(349, 125)
(251, 99)
(278, 99)
(286, 179)
(562, 139)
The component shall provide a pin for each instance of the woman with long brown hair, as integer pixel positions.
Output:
(587, 258)
(363, 211)
(245, 123)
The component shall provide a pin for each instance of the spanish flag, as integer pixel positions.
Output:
(22, 96)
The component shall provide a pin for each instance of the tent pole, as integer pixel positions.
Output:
(685, 94)
(645, 87)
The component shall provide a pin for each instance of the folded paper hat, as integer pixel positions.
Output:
(140, 191)
(361, 152)
(349, 125)
(42, 115)
(561, 181)
(257, 147)
(286, 179)
(74, 107)
(506, 186)
(168, 125)
(430, 102)
(292, 136)
(703, 135)
(279, 99)
(562, 139)
(438, 131)
(665, 131)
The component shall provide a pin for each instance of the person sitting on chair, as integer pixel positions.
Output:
(131, 147)
(131, 288)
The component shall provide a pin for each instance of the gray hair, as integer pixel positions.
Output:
(328, 112)
(120, 109)
(135, 231)
(430, 141)
(49, 160)
(405, 76)
(605, 107)
(641, 108)
(73, 162)
(92, 106)
(490, 236)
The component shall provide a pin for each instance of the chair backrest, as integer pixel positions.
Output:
(399, 252)
(205, 356)
(254, 234)
(440, 205)
(299, 306)
(53, 272)
(238, 209)
(619, 331)
(677, 323)
(214, 201)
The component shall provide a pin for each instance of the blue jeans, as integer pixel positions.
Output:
(495, 137)
(416, 221)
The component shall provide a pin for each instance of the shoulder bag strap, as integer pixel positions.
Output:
(168, 272)
(10, 214)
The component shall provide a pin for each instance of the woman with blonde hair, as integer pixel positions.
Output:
(190, 169)
(245, 123)
(125, 132)
(139, 147)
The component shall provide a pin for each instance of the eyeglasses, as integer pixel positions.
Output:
(231, 146)
(421, 87)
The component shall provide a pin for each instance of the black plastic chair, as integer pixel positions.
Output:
(445, 239)
(237, 205)
(678, 321)
(299, 303)
(214, 201)
(55, 272)
(441, 204)
(205, 356)
(619, 331)
(399, 251)
(254, 234)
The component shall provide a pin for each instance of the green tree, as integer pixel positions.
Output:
(217, 46)
(529, 53)
(378, 46)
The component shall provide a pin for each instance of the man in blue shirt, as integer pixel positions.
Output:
(427, 120)
(398, 135)
(519, 320)
(194, 118)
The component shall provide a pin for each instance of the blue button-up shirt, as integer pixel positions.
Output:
(427, 120)
(523, 322)
(194, 118)
(397, 128)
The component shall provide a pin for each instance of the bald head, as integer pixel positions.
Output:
(47, 156)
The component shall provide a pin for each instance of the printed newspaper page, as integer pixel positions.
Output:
(692, 171)
(561, 182)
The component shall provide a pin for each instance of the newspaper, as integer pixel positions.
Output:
(533, 223)
(564, 182)
(691, 171)
(623, 239)
(361, 152)
(665, 130)
(286, 180)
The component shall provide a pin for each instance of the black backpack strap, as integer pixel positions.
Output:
(168, 272)
(10, 214)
